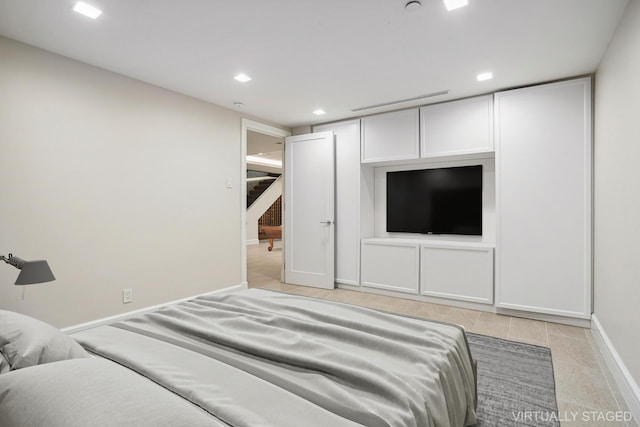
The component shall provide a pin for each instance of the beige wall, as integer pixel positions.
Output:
(117, 184)
(617, 191)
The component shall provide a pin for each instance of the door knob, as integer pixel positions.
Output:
(329, 222)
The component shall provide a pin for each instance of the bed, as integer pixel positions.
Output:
(251, 358)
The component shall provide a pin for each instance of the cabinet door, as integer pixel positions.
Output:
(458, 127)
(390, 136)
(389, 265)
(347, 224)
(457, 273)
(543, 176)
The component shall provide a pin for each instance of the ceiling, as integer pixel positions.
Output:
(264, 151)
(261, 143)
(337, 55)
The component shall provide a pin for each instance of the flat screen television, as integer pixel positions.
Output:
(435, 201)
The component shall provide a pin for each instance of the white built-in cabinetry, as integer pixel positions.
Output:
(456, 133)
(459, 271)
(391, 264)
(445, 269)
(448, 129)
(543, 176)
(536, 201)
(348, 176)
(390, 136)
(458, 127)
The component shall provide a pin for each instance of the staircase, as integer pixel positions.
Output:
(257, 185)
(266, 208)
(271, 217)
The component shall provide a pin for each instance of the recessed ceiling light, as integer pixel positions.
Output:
(243, 78)
(455, 4)
(87, 10)
(319, 112)
(412, 6)
(238, 104)
(484, 76)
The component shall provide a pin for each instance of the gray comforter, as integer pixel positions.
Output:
(260, 358)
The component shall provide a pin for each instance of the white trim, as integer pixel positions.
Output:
(246, 126)
(543, 310)
(621, 375)
(261, 178)
(459, 297)
(545, 317)
(118, 317)
(253, 242)
(369, 285)
(347, 282)
(417, 297)
(254, 160)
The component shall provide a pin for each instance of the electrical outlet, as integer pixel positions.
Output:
(127, 296)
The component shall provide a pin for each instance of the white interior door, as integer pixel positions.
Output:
(309, 210)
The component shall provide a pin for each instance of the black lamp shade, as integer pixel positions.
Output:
(34, 272)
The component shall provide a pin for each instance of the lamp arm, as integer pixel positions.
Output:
(13, 260)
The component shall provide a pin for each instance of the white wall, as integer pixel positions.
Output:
(117, 184)
(617, 191)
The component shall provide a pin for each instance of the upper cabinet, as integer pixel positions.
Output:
(458, 127)
(390, 136)
(449, 129)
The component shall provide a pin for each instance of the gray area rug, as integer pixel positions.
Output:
(515, 383)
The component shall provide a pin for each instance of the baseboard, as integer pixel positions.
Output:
(118, 317)
(417, 297)
(346, 282)
(566, 320)
(621, 375)
(553, 313)
(253, 242)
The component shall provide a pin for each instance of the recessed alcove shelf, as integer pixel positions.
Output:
(488, 200)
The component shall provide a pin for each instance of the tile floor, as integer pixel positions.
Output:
(584, 386)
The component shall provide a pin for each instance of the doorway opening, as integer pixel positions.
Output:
(263, 247)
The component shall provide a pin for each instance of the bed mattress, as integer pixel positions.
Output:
(263, 358)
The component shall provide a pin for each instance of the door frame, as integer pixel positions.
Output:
(250, 125)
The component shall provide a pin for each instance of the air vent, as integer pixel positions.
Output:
(417, 98)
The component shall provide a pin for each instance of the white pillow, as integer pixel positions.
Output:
(92, 392)
(25, 341)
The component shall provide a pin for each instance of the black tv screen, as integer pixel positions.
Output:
(435, 201)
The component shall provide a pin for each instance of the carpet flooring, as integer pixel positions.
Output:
(515, 383)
